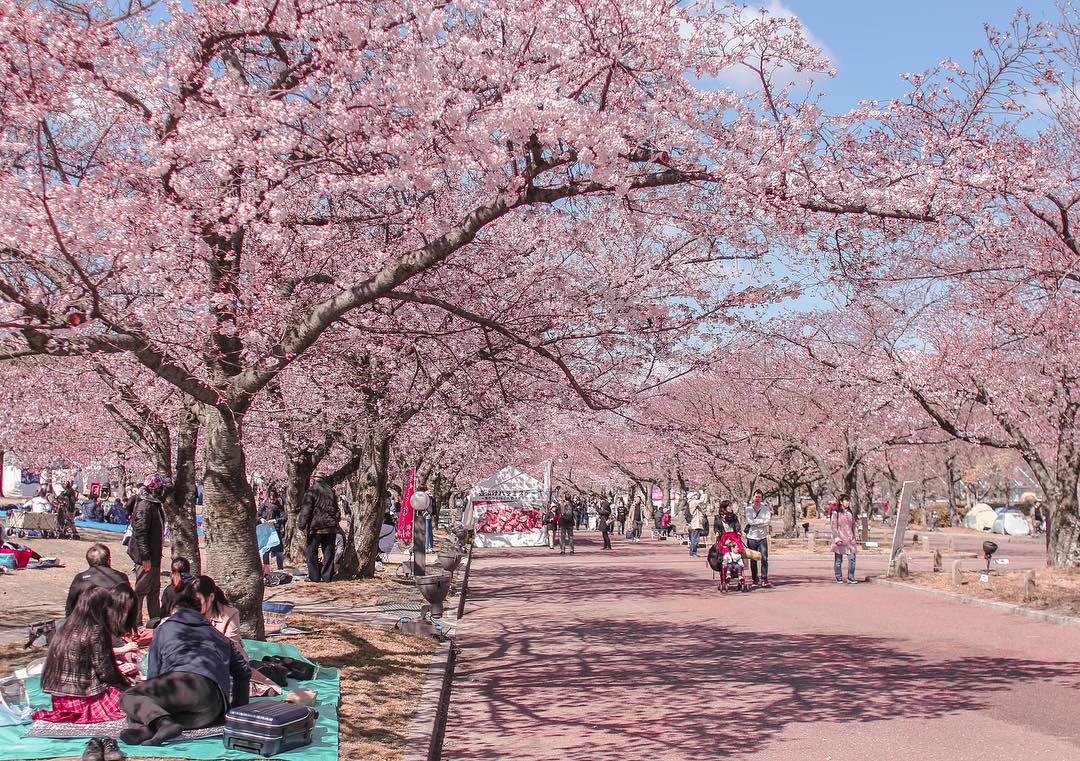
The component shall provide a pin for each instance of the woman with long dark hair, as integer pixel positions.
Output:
(80, 670)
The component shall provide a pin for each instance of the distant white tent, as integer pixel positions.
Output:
(1011, 522)
(980, 517)
(504, 510)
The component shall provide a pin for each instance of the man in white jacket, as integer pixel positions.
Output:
(758, 516)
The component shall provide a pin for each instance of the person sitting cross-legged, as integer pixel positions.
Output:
(195, 674)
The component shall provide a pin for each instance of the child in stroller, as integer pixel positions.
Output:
(731, 550)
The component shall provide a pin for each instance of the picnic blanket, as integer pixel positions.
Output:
(14, 745)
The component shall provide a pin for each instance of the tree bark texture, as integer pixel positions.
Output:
(232, 556)
(180, 510)
(299, 468)
(362, 545)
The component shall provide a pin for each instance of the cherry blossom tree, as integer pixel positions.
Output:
(210, 188)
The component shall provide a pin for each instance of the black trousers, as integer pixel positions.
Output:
(148, 586)
(323, 571)
(191, 700)
(607, 539)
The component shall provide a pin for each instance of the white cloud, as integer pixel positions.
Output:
(743, 78)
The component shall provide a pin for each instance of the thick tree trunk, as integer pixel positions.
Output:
(851, 484)
(788, 509)
(232, 553)
(180, 510)
(362, 547)
(1063, 546)
(299, 467)
(950, 490)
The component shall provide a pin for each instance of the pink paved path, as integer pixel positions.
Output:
(632, 655)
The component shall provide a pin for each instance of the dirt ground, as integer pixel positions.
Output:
(382, 672)
(33, 595)
(1056, 589)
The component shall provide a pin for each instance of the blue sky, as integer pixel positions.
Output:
(871, 43)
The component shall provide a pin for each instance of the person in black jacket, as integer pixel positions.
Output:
(144, 545)
(99, 574)
(194, 675)
(318, 519)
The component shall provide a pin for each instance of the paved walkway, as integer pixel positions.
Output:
(633, 654)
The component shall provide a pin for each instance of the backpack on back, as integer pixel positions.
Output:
(566, 515)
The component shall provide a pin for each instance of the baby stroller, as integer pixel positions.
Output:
(725, 557)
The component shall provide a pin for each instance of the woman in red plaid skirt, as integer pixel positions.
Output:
(80, 670)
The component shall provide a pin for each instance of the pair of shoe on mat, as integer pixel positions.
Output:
(103, 749)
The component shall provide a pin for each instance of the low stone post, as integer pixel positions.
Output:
(937, 561)
(950, 543)
(810, 535)
(1029, 585)
(957, 576)
(926, 543)
(902, 571)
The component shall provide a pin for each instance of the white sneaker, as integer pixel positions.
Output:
(853, 581)
(838, 581)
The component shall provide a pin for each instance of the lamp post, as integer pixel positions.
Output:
(421, 504)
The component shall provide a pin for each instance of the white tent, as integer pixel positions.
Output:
(504, 510)
(980, 517)
(1011, 522)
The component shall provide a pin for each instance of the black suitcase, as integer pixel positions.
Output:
(269, 727)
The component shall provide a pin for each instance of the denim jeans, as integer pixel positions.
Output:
(695, 537)
(762, 546)
(278, 553)
(838, 566)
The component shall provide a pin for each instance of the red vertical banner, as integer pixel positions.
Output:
(405, 514)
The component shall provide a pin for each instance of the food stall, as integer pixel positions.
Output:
(505, 510)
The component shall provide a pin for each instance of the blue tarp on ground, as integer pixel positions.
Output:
(324, 744)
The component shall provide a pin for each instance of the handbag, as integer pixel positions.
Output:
(39, 630)
(14, 702)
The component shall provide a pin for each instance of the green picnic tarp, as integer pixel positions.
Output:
(324, 743)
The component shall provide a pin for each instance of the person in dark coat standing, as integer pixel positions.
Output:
(194, 675)
(318, 519)
(99, 574)
(603, 523)
(145, 543)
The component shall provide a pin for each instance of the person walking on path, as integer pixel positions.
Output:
(620, 513)
(566, 526)
(638, 518)
(758, 516)
(603, 523)
(843, 539)
(145, 542)
(318, 519)
(698, 521)
(549, 516)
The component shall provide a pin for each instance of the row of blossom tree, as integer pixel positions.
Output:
(289, 233)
